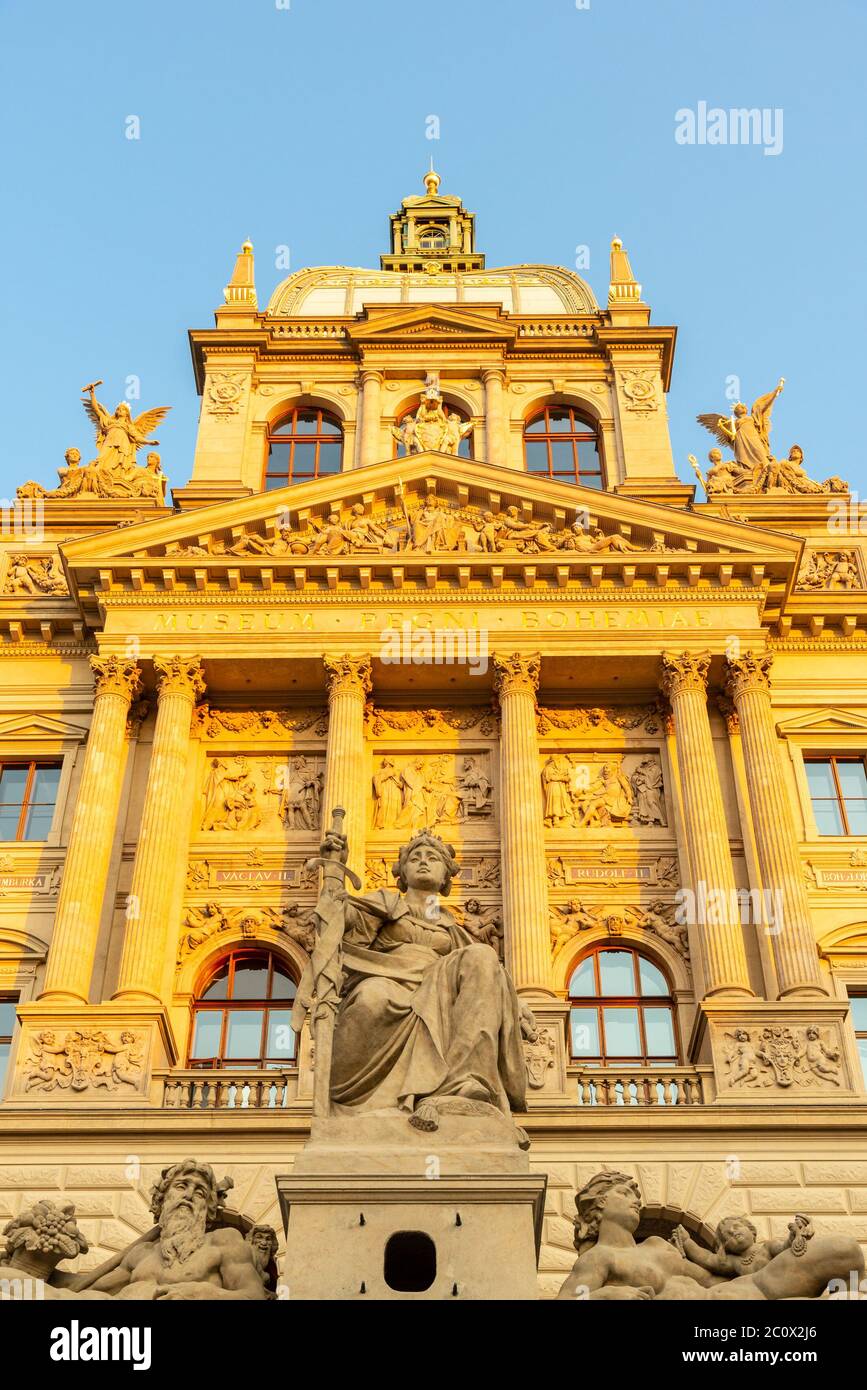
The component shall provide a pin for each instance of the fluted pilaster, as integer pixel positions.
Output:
(793, 940)
(718, 925)
(525, 886)
(349, 684)
(85, 871)
(161, 853)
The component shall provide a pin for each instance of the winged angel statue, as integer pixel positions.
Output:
(114, 472)
(754, 469)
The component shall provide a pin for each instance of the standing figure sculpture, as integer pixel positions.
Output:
(428, 1021)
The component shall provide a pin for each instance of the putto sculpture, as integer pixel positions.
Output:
(411, 1013)
(613, 1265)
(114, 472)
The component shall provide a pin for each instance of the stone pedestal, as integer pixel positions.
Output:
(376, 1209)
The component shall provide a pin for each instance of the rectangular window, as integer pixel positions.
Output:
(859, 1023)
(838, 791)
(7, 1024)
(28, 796)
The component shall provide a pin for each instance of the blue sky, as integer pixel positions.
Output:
(306, 126)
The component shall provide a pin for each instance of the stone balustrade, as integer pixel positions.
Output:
(198, 1089)
(652, 1086)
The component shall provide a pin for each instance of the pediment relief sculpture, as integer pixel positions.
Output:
(114, 472)
(754, 468)
(612, 1264)
(589, 793)
(414, 791)
(422, 524)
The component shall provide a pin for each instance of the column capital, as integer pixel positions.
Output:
(751, 671)
(371, 374)
(179, 675)
(494, 374)
(116, 675)
(516, 674)
(348, 675)
(684, 671)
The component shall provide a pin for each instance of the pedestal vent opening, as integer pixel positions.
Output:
(410, 1262)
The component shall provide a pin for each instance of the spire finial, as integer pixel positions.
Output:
(241, 289)
(432, 181)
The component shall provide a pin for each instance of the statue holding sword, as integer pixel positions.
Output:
(410, 1012)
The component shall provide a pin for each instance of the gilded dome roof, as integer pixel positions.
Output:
(344, 291)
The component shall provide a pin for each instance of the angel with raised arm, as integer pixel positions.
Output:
(118, 435)
(748, 433)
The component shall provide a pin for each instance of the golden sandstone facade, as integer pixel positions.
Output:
(434, 564)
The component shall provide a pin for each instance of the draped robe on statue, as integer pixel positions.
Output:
(426, 1012)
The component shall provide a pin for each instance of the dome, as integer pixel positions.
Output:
(345, 291)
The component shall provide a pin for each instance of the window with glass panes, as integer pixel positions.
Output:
(305, 444)
(242, 1018)
(859, 1023)
(838, 791)
(28, 796)
(560, 444)
(7, 1025)
(621, 1010)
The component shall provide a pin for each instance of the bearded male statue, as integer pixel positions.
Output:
(186, 1256)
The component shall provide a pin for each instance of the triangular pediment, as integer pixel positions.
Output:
(824, 721)
(430, 322)
(32, 728)
(534, 516)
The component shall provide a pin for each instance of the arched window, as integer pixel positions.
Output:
(465, 448)
(307, 443)
(433, 239)
(621, 1010)
(559, 443)
(242, 1018)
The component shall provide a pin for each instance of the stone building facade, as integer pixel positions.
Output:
(433, 563)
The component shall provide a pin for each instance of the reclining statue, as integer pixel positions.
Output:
(611, 1264)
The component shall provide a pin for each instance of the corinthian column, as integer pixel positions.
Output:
(85, 872)
(349, 684)
(495, 424)
(525, 885)
(161, 851)
(371, 413)
(793, 940)
(684, 681)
